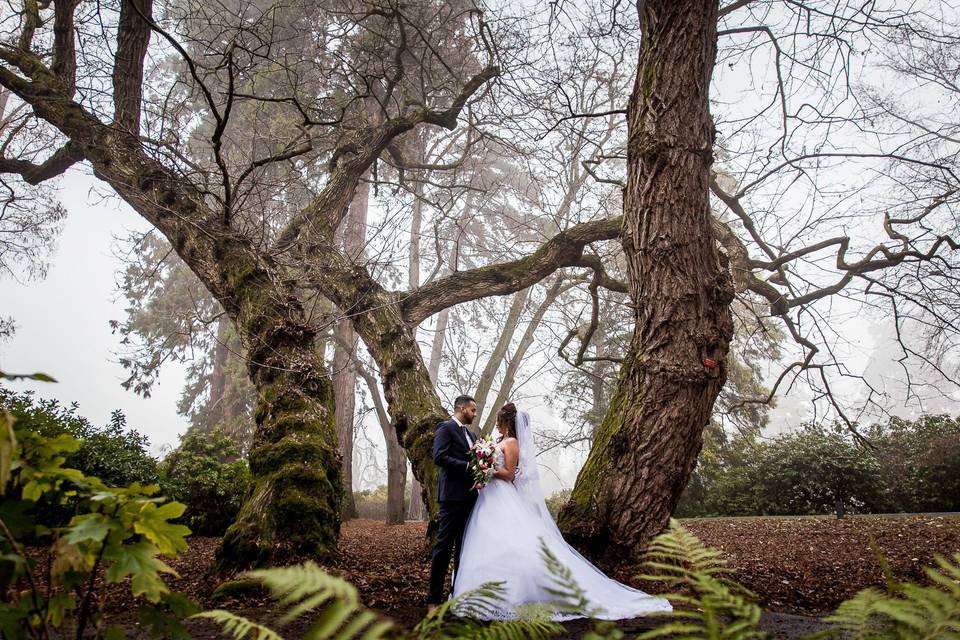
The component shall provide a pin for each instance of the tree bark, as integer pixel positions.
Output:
(396, 458)
(218, 377)
(647, 445)
(345, 347)
(396, 476)
(344, 391)
(293, 508)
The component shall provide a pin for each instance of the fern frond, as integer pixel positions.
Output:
(305, 586)
(460, 617)
(570, 596)
(716, 608)
(906, 610)
(238, 626)
(485, 599)
(513, 630)
(677, 554)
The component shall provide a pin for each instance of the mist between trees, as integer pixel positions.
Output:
(639, 222)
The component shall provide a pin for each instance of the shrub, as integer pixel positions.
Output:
(919, 462)
(371, 503)
(206, 474)
(116, 536)
(116, 455)
(911, 466)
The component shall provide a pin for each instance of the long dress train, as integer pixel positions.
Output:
(502, 544)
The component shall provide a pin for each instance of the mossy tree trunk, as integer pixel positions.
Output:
(293, 508)
(413, 403)
(647, 445)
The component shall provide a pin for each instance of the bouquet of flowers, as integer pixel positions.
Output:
(481, 462)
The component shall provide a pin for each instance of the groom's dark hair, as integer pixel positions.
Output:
(462, 401)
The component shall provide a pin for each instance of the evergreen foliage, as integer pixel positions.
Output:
(117, 535)
(206, 473)
(908, 466)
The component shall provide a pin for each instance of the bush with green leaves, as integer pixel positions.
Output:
(115, 454)
(901, 465)
(117, 535)
(206, 473)
(919, 462)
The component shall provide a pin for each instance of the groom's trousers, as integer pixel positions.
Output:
(451, 523)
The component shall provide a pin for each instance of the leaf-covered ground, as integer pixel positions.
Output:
(800, 568)
(797, 565)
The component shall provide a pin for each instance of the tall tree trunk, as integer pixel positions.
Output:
(345, 347)
(344, 389)
(218, 377)
(510, 375)
(396, 458)
(500, 350)
(647, 445)
(414, 510)
(396, 476)
(293, 508)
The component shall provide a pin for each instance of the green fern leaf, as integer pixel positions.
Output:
(718, 608)
(907, 611)
(238, 626)
(570, 596)
(304, 587)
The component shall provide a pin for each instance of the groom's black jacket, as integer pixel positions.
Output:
(452, 454)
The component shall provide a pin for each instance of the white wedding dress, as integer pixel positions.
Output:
(502, 544)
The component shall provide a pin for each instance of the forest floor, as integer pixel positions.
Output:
(799, 567)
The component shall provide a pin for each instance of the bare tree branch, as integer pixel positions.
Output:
(563, 250)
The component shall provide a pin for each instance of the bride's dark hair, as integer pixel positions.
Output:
(507, 416)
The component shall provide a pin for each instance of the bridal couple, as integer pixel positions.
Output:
(495, 533)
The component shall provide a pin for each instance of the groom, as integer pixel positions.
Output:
(451, 451)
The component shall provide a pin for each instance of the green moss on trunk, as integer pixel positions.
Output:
(293, 509)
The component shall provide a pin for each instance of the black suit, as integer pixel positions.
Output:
(451, 452)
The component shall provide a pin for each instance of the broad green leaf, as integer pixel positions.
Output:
(139, 561)
(90, 526)
(32, 491)
(67, 557)
(58, 606)
(12, 616)
(152, 523)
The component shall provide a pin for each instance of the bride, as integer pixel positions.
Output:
(503, 537)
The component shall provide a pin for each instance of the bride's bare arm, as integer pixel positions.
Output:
(511, 454)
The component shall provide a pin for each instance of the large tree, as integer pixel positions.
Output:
(198, 152)
(785, 231)
(675, 366)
